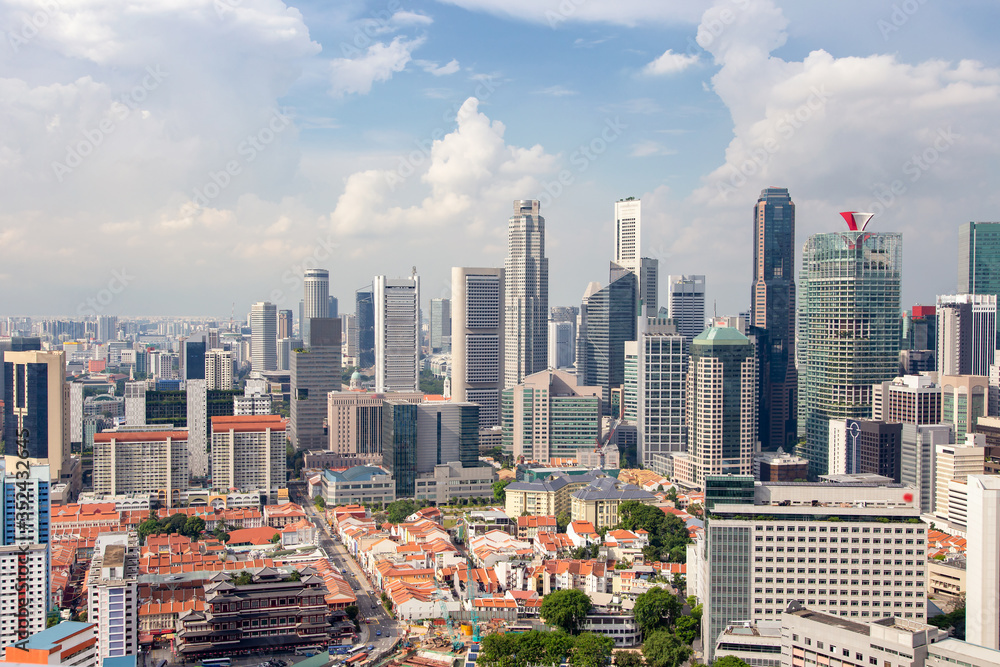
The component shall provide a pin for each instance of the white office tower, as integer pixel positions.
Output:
(966, 333)
(197, 426)
(526, 294)
(686, 304)
(113, 594)
(918, 454)
(562, 346)
(219, 369)
(27, 567)
(263, 336)
(316, 300)
(477, 340)
(982, 600)
(135, 403)
(661, 374)
(628, 252)
(397, 333)
(349, 334)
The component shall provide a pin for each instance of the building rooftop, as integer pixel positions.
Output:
(720, 336)
(355, 474)
(50, 638)
(797, 609)
(608, 488)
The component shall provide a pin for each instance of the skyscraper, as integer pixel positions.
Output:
(849, 327)
(397, 333)
(316, 300)
(526, 294)
(314, 373)
(628, 252)
(477, 347)
(721, 403)
(36, 398)
(284, 324)
(610, 320)
(218, 369)
(982, 611)
(440, 329)
(772, 313)
(661, 371)
(979, 258)
(263, 336)
(194, 359)
(686, 304)
(966, 333)
(365, 314)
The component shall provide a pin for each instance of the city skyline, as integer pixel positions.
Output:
(311, 162)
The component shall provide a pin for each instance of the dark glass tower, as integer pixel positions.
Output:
(365, 313)
(772, 316)
(194, 360)
(399, 445)
(609, 320)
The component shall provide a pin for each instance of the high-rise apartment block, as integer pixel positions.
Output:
(526, 294)
(219, 369)
(772, 316)
(113, 594)
(721, 403)
(686, 304)
(440, 325)
(397, 333)
(477, 341)
(197, 427)
(966, 333)
(141, 461)
(263, 336)
(548, 417)
(849, 311)
(316, 300)
(248, 454)
(26, 568)
(661, 364)
(26, 507)
(914, 399)
(314, 373)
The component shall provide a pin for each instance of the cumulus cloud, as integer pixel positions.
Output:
(378, 63)
(670, 63)
(467, 178)
(432, 67)
(621, 12)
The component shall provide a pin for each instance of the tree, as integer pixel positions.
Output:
(562, 521)
(319, 501)
(147, 528)
(52, 619)
(175, 523)
(499, 494)
(656, 609)
(352, 613)
(729, 661)
(294, 576)
(275, 538)
(400, 509)
(672, 495)
(193, 527)
(82, 616)
(665, 649)
(590, 650)
(628, 659)
(954, 620)
(688, 628)
(244, 578)
(498, 650)
(565, 609)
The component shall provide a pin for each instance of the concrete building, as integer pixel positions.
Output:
(951, 652)
(315, 301)
(966, 333)
(982, 624)
(315, 372)
(451, 480)
(397, 333)
(549, 417)
(248, 454)
(25, 568)
(598, 501)
(354, 422)
(141, 461)
(526, 294)
(285, 328)
(963, 401)
(659, 388)
(477, 342)
(721, 403)
(550, 495)
(607, 321)
(562, 344)
(915, 399)
(440, 325)
(219, 369)
(69, 643)
(757, 643)
(113, 594)
(252, 404)
(135, 403)
(26, 523)
(686, 304)
(979, 258)
(780, 466)
(954, 464)
(628, 254)
(360, 484)
(197, 427)
(263, 336)
(917, 459)
(865, 446)
(850, 285)
(37, 400)
(743, 566)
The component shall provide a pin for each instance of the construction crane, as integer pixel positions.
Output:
(472, 603)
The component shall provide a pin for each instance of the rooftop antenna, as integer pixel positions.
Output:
(413, 272)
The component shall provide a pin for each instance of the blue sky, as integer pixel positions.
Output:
(230, 143)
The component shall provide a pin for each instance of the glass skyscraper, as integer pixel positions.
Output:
(772, 314)
(610, 320)
(979, 258)
(849, 330)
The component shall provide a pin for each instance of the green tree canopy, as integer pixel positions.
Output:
(147, 528)
(656, 609)
(688, 628)
(565, 609)
(628, 659)
(244, 578)
(499, 490)
(665, 649)
(400, 509)
(193, 527)
(730, 661)
(591, 650)
(276, 538)
(319, 501)
(562, 521)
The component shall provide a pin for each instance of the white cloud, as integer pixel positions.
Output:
(621, 12)
(556, 91)
(650, 148)
(379, 63)
(432, 67)
(405, 18)
(670, 63)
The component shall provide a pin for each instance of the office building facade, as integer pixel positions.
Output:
(314, 373)
(113, 594)
(440, 325)
(285, 324)
(686, 304)
(365, 314)
(263, 336)
(982, 615)
(979, 258)
(608, 320)
(315, 301)
(772, 315)
(659, 389)
(850, 286)
(477, 344)
(865, 446)
(397, 333)
(966, 333)
(354, 421)
(526, 294)
(36, 400)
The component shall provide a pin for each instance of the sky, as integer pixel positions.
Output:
(191, 157)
